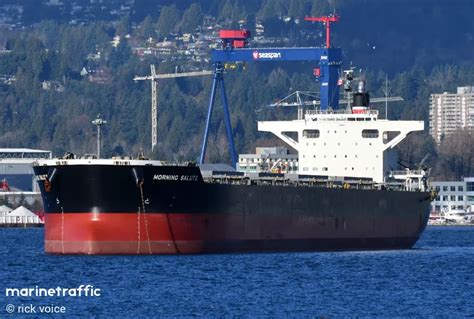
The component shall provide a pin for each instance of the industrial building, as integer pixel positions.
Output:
(453, 195)
(451, 111)
(16, 172)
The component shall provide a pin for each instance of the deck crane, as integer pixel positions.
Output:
(235, 49)
(154, 95)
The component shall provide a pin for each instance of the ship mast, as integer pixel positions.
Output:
(98, 122)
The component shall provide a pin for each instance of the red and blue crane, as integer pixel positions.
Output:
(235, 49)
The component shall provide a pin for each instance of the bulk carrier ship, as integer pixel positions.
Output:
(344, 196)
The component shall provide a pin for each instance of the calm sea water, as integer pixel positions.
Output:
(436, 278)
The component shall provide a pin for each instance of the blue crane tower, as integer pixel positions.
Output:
(234, 49)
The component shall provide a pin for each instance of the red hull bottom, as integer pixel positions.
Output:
(161, 233)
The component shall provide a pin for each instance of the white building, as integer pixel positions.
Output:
(16, 167)
(451, 111)
(453, 195)
(268, 159)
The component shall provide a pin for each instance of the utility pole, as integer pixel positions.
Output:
(98, 122)
(154, 95)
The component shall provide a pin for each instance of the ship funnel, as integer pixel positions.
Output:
(361, 99)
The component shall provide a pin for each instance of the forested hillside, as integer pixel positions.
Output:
(423, 46)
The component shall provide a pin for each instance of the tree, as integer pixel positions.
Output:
(169, 17)
(192, 18)
(456, 153)
(272, 9)
(124, 26)
(147, 28)
(320, 8)
(226, 11)
(296, 9)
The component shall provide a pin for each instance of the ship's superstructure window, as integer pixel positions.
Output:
(453, 188)
(470, 186)
(370, 133)
(460, 198)
(311, 133)
(460, 189)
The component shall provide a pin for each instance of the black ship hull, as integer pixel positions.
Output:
(140, 209)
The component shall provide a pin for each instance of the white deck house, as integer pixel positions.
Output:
(342, 144)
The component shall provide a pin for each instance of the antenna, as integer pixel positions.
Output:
(386, 91)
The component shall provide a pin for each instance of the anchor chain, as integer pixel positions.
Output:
(138, 230)
(145, 217)
(62, 229)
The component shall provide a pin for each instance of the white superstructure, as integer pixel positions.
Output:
(342, 144)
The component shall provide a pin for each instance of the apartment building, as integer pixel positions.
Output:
(451, 111)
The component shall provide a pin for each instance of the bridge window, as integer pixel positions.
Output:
(311, 133)
(370, 133)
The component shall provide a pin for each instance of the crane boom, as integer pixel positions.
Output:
(172, 75)
(327, 22)
(154, 94)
